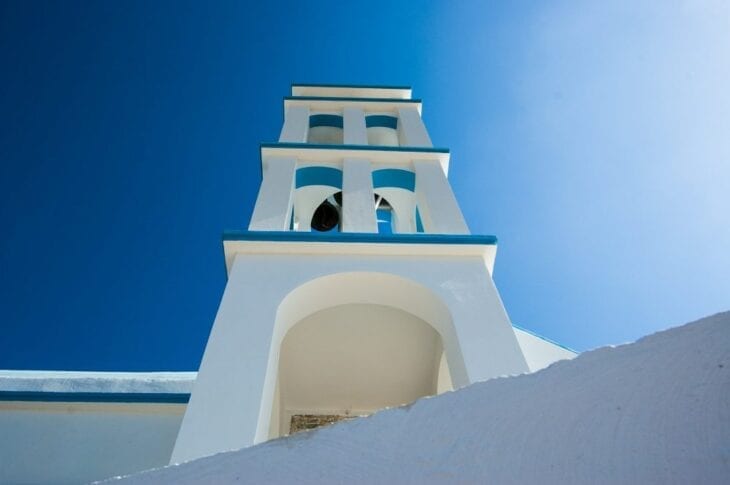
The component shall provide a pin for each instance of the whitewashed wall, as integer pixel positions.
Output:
(232, 402)
(78, 443)
(539, 352)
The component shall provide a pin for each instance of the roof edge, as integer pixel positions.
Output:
(349, 86)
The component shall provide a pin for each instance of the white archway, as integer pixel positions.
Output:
(418, 309)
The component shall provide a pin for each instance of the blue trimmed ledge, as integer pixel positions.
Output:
(355, 86)
(312, 146)
(95, 397)
(354, 237)
(350, 99)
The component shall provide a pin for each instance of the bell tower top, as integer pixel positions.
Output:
(355, 159)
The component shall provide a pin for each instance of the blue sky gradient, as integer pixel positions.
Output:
(591, 137)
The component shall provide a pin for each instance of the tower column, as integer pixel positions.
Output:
(437, 205)
(358, 206)
(272, 211)
(411, 130)
(296, 125)
(230, 391)
(354, 126)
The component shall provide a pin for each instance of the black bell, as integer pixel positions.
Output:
(326, 217)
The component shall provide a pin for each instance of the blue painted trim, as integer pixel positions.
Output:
(394, 177)
(350, 99)
(329, 176)
(362, 86)
(384, 121)
(545, 339)
(335, 121)
(312, 146)
(385, 221)
(354, 237)
(419, 222)
(96, 397)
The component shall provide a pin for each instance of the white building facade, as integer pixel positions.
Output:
(356, 287)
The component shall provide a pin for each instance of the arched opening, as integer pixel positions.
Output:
(382, 129)
(352, 360)
(385, 215)
(328, 215)
(351, 343)
(317, 188)
(325, 129)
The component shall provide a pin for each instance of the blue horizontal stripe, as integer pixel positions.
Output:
(362, 86)
(313, 146)
(384, 121)
(354, 237)
(329, 176)
(95, 397)
(394, 177)
(334, 121)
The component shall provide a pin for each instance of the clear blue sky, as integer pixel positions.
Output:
(593, 138)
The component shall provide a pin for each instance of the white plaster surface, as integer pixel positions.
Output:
(325, 135)
(75, 442)
(266, 295)
(296, 125)
(334, 155)
(539, 352)
(411, 129)
(275, 198)
(358, 206)
(440, 212)
(382, 136)
(352, 91)
(117, 382)
(655, 411)
(354, 126)
(356, 359)
(58, 443)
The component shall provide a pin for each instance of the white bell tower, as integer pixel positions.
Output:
(357, 285)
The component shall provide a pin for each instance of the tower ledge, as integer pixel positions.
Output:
(312, 243)
(350, 91)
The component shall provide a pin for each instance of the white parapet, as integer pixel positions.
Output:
(296, 125)
(437, 205)
(272, 211)
(411, 130)
(354, 126)
(358, 208)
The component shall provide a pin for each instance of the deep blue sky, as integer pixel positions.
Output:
(592, 139)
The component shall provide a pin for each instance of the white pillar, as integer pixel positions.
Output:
(272, 211)
(411, 130)
(229, 394)
(437, 205)
(358, 206)
(296, 125)
(354, 126)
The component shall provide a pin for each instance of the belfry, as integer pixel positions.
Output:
(357, 285)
